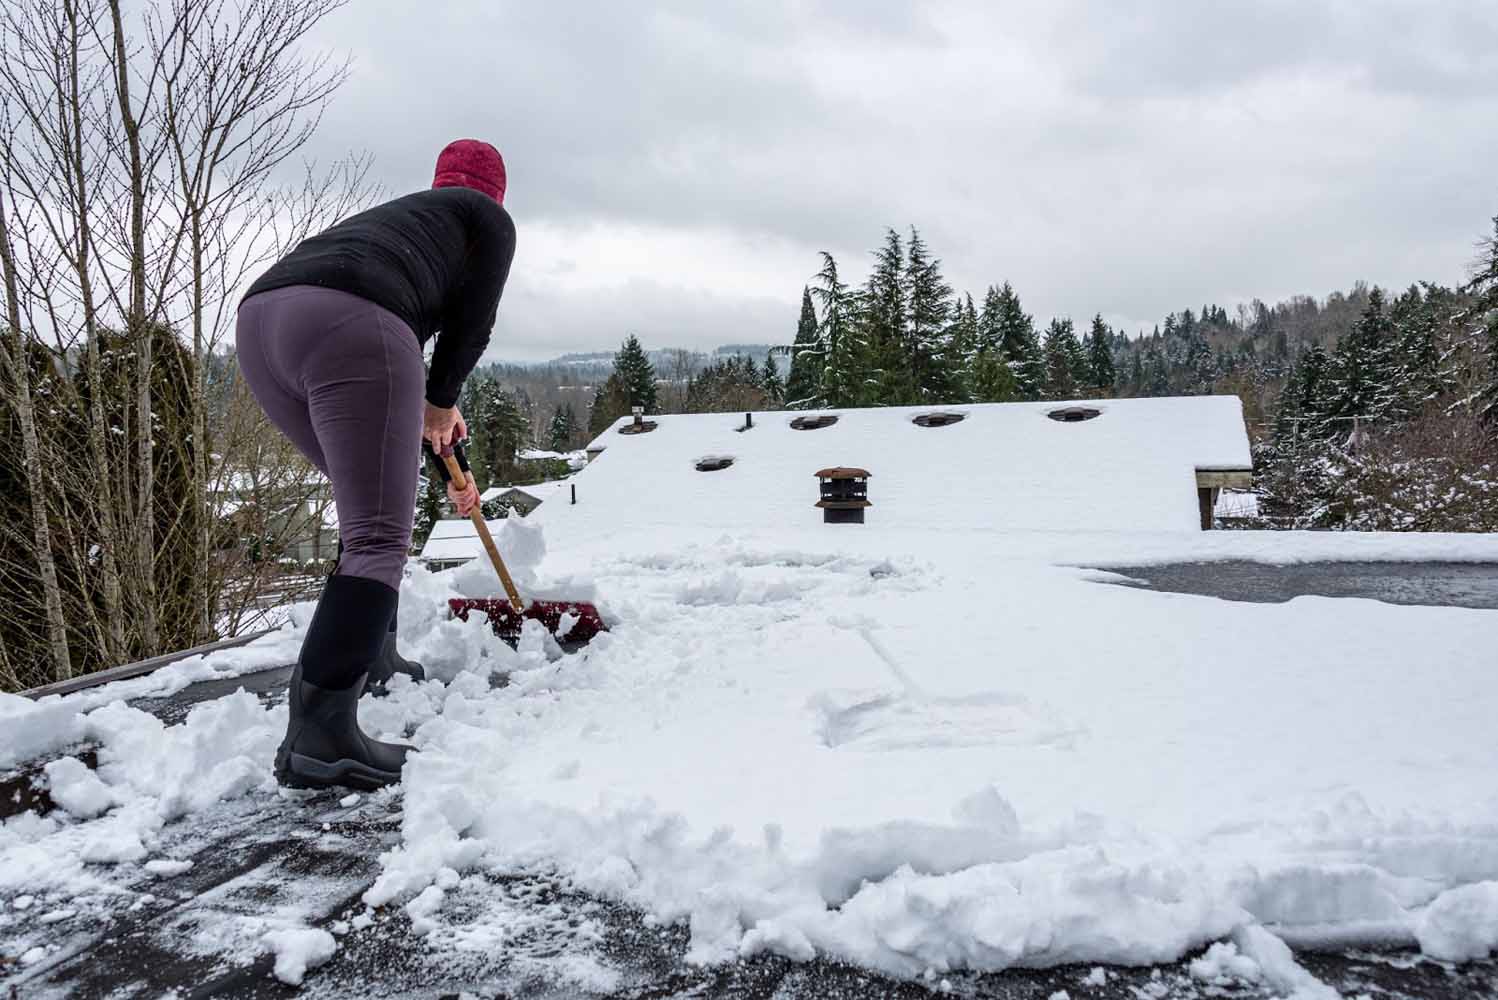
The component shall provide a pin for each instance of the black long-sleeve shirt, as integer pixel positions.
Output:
(438, 259)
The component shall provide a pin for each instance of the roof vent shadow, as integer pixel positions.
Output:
(1074, 414)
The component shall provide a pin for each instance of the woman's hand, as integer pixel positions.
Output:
(465, 499)
(443, 426)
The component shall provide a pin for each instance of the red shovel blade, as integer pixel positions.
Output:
(585, 621)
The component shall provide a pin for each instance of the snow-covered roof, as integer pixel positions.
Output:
(1005, 465)
(537, 491)
(454, 539)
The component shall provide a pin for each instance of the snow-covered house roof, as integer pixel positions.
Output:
(1133, 466)
(539, 492)
(454, 540)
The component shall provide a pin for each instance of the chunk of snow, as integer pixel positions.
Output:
(1098, 976)
(1223, 966)
(167, 868)
(33, 955)
(349, 801)
(299, 950)
(1277, 965)
(76, 788)
(423, 908)
(1461, 925)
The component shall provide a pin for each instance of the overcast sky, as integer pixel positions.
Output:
(675, 167)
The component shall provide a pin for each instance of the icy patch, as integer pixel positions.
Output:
(299, 950)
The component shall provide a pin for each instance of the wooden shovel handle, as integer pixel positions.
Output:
(460, 482)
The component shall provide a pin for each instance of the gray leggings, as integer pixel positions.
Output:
(344, 380)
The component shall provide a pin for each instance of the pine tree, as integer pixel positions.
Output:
(1065, 360)
(840, 336)
(1360, 382)
(882, 322)
(925, 344)
(610, 402)
(803, 386)
(963, 350)
(1483, 288)
(1100, 369)
(636, 374)
(770, 379)
(563, 428)
(431, 502)
(1015, 331)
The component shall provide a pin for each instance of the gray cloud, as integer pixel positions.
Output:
(1127, 159)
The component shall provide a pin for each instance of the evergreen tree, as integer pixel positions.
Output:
(1101, 373)
(431, 503)
(1360, 388)
(993, 379)
(563, 428)
(882, 323)
(1483, 288)
(636, 374)
(925, 344)
(803, 386)
(1065, 360)
(1015, 331)
(610, 402)
(840, 336)
(963, 350)
(770, 380)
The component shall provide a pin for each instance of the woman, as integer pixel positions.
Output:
(330, 342)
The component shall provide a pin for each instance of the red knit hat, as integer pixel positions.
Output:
(471, 163)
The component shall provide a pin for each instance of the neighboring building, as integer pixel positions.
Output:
(1088, 465)
(575, 459)
(295, 515)
(453, 542)
(524, 499)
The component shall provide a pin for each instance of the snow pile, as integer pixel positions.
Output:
(148, 775)
(1462, 924)
(298, 950)
(934, 753)
(34, 728)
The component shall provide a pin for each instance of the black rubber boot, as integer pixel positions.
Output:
(390, 662)
(324, 746)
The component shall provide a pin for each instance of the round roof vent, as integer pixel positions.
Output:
(813, 423)
(1074, 414)
(937, 419)
(714, 463)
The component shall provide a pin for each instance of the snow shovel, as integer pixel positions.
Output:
(572, 622)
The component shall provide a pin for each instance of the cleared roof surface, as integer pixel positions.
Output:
(1006, 465)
